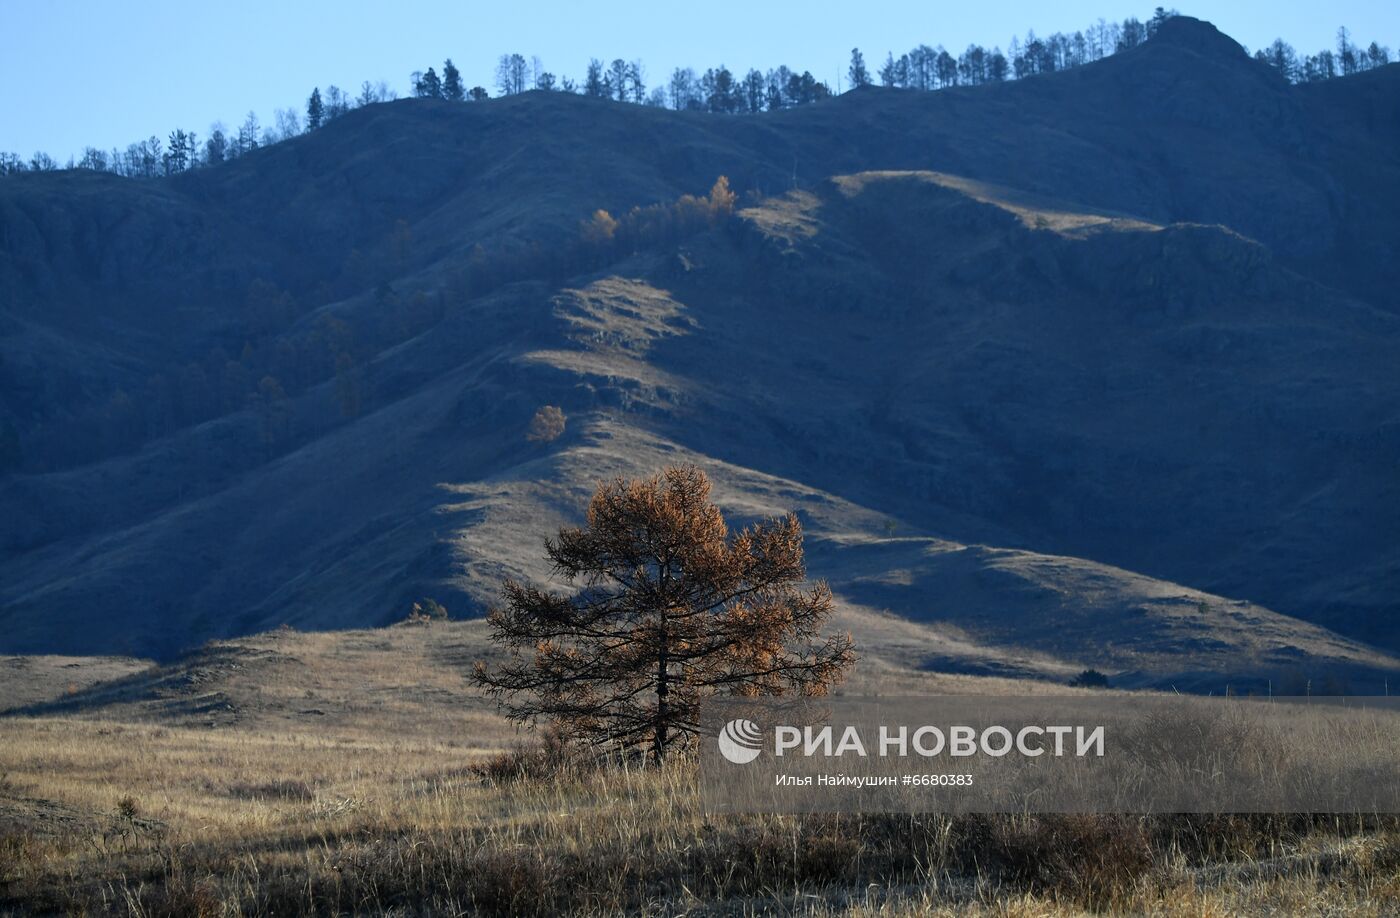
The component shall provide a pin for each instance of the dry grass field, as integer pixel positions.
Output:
(403, 793)
(1087, 373)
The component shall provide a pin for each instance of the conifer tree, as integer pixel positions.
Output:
(594, 84)
(429, 86)
(857, 72)
(315, 110)
(452, 89)
(673, 609)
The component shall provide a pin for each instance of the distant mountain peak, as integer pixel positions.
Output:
(1199, 36)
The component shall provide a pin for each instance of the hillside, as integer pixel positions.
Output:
(1092, 369)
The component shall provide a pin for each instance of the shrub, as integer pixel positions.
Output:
(547, 424)
(1090, 678)
(552, 756)
(1094, 860)
(128, 808)
(426, 610)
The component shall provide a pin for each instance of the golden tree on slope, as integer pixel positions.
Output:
(721, 198)
(672, 609)
(547, 424)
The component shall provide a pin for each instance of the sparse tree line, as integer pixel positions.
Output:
(931, 68)
(183, 150)
(718, 89)
(1349, 58)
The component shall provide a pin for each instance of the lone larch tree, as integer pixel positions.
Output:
(671, 609)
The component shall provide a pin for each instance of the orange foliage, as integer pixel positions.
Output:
(606, 235)
(674, 609)
(547, 424)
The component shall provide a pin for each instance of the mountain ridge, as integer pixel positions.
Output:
(1052, 341)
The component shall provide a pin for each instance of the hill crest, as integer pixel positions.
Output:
(1199, 36)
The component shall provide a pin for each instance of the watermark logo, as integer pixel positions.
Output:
(1096, 753)
(740, 741)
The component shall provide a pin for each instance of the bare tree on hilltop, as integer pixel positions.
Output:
(512, 74)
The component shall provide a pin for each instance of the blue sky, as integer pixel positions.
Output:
(78, 73)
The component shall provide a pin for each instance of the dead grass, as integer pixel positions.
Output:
(226, 822)
(405, 793)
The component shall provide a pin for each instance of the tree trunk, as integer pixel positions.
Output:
(662, 690)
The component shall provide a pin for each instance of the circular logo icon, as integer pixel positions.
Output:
(740, 741)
